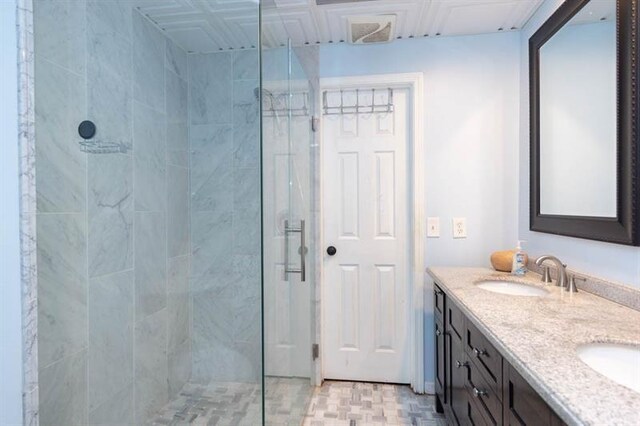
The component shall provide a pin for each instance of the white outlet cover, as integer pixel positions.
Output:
(459, 227)
(433, 227)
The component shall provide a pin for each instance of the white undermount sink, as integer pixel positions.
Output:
(512, 288)
(620, 363)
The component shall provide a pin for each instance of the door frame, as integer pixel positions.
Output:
(414, 82)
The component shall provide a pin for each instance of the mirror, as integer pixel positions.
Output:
(578, 115)
(584, 148)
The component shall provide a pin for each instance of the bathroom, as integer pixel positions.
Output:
(182, 183)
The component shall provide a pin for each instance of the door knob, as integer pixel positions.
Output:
(331, 250)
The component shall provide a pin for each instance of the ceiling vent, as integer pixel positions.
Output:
(371, 29)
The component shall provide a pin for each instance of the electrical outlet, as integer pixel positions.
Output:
(459, 227)
(433, 227)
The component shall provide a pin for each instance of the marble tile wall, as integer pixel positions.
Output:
(225, 217)
(28, 236)
(113, 256)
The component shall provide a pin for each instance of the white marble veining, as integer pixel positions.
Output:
(110, 241)
(246, 64)
(149, 52)
(62, 286)
(60, 163)
(150, 263)
(151, 368)
(60, 36)
(149, 162)
(540, 336)
(28, 242)
(177, 93)
(212, 167)
(117, 410)
(225, 217)
(210, 100)
(63, 391)
(111, 310)
(176, 60)
(177, 211)
(179, 323)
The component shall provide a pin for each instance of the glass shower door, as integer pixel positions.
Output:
(287, 250)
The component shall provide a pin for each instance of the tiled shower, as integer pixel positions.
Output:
(149, 236)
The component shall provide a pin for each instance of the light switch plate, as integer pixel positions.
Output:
(433, 227)
(459, 227)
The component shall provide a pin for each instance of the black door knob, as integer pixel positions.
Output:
(331, 250)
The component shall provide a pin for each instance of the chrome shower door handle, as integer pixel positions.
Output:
(286, 250)
(303, 252)
(303, 267)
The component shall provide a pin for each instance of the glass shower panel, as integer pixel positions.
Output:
(149, 217)
(288, 273)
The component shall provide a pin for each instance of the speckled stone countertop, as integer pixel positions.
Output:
(539, 337)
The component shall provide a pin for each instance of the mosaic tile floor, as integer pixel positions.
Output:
(287, 400)
(349, 403)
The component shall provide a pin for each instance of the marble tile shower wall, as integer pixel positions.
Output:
(113, 229)
(225, 217)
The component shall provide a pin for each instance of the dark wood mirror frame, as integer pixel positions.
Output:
(625, 228)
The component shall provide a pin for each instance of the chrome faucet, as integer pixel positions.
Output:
(560, 267)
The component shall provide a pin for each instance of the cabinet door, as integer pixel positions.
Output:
(472, 414)
(458, 366)
(441, 364)
(523, 406)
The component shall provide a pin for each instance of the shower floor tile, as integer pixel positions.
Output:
(214, 404)
(333, 404)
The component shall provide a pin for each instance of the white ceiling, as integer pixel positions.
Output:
(211, 25)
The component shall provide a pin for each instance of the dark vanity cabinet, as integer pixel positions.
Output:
(474, 385)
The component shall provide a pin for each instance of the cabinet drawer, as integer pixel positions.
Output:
(523, 405)
(438, 303)
(455, 321)
(484, 355)
(484, 395)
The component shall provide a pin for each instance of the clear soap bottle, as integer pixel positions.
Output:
(519, 265)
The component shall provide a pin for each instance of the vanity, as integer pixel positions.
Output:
(513, 359)
(517, 351)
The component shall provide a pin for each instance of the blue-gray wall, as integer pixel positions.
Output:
(10, 293)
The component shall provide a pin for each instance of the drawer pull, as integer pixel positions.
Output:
(462, 364)
(479, 352)
(438, 332)
(438, 292)
(478, 393)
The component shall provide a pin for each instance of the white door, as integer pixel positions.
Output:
(365, 216)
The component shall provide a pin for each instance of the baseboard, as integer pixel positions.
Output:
(430, 388)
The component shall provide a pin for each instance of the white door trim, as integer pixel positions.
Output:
(415, 83)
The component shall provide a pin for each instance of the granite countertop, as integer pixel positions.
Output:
(539, 337)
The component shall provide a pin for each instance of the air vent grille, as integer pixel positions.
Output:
(371, 29)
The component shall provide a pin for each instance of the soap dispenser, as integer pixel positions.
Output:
(519, 265)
